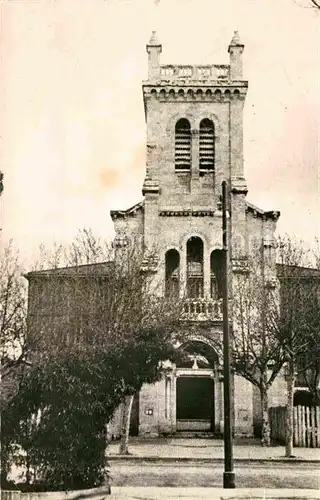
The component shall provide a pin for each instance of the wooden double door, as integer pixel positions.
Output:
(195, 403)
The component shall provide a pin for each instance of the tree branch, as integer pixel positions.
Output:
(315, 3)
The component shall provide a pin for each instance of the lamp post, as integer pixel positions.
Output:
(228, 474)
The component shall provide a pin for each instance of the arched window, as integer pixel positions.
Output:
(172, 263)
(206, 146)
(216, 274)
(195, 267)
(182, 145)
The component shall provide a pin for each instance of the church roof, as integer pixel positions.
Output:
(286, 271)
(99, 268)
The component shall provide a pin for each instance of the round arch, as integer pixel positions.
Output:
(176, 117)
(213, 118)
(197, 386)
(194, 234)
(206, 346)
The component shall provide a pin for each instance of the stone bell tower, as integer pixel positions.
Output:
(194, 135)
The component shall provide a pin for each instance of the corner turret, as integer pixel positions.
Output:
(235, 50)
(154, 49)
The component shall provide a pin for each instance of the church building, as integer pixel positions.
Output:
(194, 123)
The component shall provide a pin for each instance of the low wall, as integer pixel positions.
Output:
(92, 494)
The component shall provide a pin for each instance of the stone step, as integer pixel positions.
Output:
(194, 434)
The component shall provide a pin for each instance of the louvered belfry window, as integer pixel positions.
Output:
(206, 145)
(182, 145)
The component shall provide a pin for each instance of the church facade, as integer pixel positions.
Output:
(194, 122)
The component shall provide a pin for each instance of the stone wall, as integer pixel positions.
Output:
(243, 407)
(278, 391)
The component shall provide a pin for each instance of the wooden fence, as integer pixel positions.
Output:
(277, 416)
(306, 425)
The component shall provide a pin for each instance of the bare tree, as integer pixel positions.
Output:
(85, 248)
(316, 253)
(97, 301)
(257, 350)
(309, 362)
(276, 324)
(309, 4)
(18, 337)
(13, 311)
(298, 322)
(315, 4)
(125, 424)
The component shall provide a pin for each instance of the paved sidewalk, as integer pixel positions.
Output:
(145, 493)
(206, 449)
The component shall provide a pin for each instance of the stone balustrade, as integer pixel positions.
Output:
(206, 72)
(202, 310)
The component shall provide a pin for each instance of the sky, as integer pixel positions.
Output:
(72, 119)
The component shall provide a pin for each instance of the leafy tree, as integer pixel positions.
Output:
(107, 333)
(75, 394)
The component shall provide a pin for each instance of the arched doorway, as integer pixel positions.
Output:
(195, 388)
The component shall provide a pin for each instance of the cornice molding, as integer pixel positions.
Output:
(196, 92)
(187, 213)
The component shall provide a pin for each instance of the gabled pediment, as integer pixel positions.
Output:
(129, 212)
